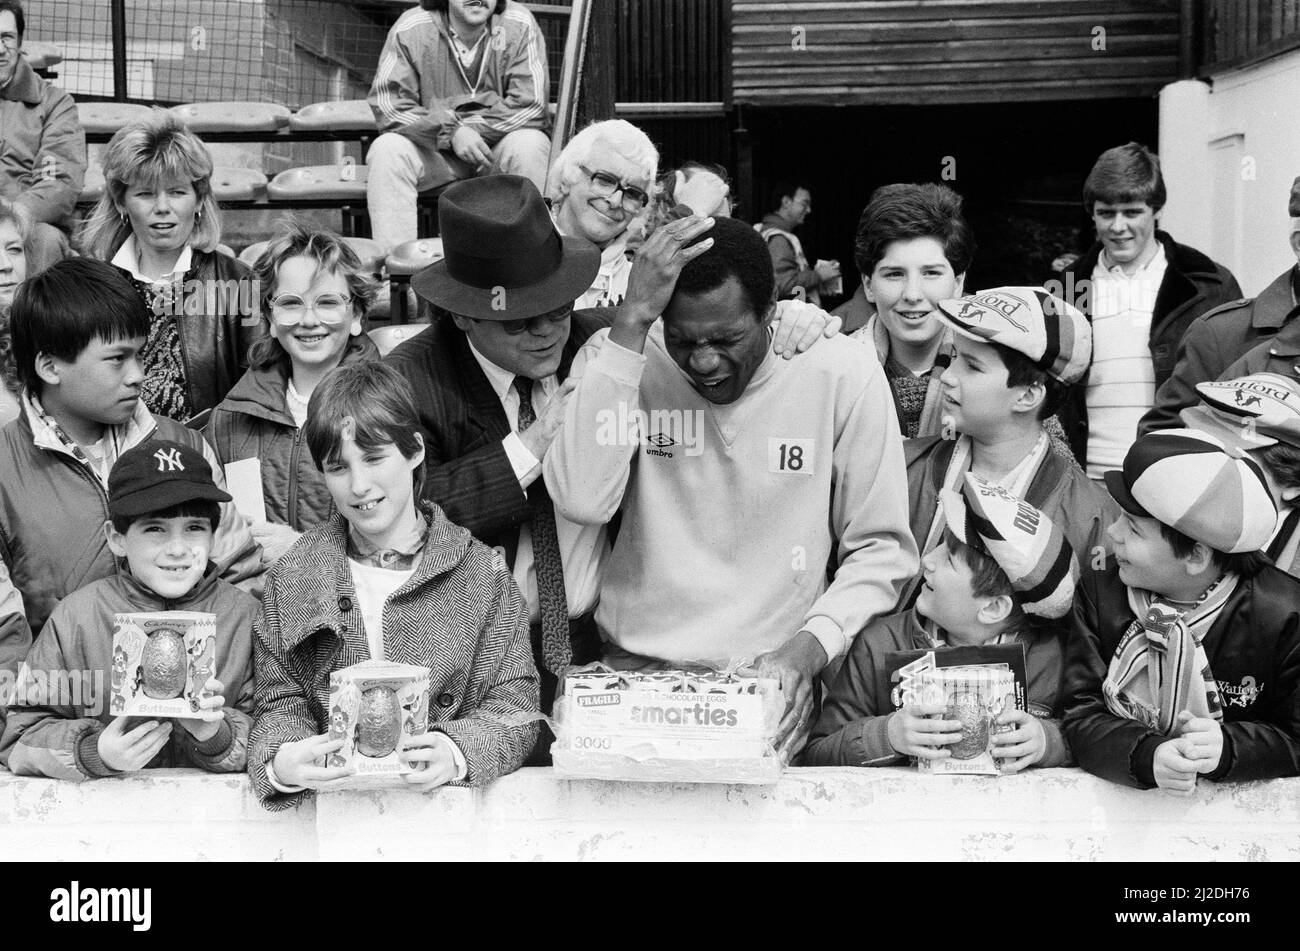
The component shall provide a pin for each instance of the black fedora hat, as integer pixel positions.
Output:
(503, 257)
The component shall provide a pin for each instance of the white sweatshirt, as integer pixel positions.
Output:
(731, 514)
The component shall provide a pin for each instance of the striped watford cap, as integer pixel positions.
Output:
(1029, 548)
(1252, 412)
(1055, 335)
(1193, 482)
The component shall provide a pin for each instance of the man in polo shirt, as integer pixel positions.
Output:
(42, 146)
(1141, 290)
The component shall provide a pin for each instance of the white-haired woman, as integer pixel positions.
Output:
(158, 221)
(598, 186)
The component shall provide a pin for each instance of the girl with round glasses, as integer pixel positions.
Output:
(314, 299)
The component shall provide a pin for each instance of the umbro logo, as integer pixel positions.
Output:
(657, 444)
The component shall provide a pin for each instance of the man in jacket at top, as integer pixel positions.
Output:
(1140, 290)
(1227, 333)
(461, 90)
(42, 145)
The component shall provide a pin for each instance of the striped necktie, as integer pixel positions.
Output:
(557, 652)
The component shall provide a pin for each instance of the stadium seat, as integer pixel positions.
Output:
(106, 118)
(352, 115)
(370, 253)
(92, 189)
(346, 182)
(412, 257)
(204, 117)
(386, 338)
(406, 259)
(237, 184)
(41, 55)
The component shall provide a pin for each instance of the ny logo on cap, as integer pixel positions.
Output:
(169, 460)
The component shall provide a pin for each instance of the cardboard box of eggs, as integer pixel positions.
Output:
(375, 706)
(161, 661)
(667, 726)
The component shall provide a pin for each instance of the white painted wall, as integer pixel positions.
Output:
(820, 814)
(1229, 154)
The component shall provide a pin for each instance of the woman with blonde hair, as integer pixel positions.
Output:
(314, 300)
(14, 231)
(158, 221)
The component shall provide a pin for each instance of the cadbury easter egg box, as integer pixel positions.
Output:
(375, 708)
(161, 662)
(975, 685)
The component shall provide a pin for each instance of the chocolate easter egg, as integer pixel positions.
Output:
(162, 663)
(974, 726)
(379, 723)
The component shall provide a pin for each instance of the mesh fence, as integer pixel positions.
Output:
(290, 52)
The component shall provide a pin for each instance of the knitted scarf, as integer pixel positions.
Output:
(1160, 668)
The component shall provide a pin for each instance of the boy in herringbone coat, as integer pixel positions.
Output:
(384, 580)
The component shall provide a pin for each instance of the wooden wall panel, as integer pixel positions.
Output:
(864, 52)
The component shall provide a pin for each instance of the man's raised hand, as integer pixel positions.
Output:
(655, 270)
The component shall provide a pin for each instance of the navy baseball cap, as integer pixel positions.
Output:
(158, 474)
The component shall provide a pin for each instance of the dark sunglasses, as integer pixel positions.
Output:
(515, 327)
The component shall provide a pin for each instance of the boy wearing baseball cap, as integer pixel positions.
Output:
(164, 510)
(1003, 574)
(1183, 649)
(1018, 350)
(1260, 413)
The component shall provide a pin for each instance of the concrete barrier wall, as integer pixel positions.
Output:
(819, 814)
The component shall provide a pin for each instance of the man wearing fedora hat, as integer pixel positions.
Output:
(490, 383)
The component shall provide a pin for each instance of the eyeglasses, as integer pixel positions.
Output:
(330, 309)
(605, 185)
(515, 327)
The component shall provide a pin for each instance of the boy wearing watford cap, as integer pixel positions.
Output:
(1018, 350)
(1002, 574)
(1260, 413)
(164, 509)
(1184, 655)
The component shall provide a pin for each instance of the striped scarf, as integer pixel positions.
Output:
(963, 453)
(1160, 668)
